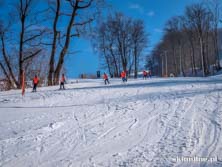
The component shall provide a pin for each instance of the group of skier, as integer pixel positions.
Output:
(146, 74)
(123, 76)
(36, 82)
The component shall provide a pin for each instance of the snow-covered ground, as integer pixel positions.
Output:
(154, 122)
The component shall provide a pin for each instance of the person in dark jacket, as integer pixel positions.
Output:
(62, 82)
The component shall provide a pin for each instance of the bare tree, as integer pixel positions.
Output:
(81, 13)
(174, 37)
(24, 8)
(10, 73)
(121, 41)
(200, 20)
(190, 33)
(215, 8)
(107, 48)
(190, 43)
(54, 44)
(124, 39)
(28, 34)
(139, 42)
(2, 67)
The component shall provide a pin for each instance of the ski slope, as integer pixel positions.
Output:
(152, 122)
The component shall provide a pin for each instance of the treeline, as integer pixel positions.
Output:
(120, 42)
(190, 45)
(36, 36)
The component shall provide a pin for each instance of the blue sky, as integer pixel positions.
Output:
(155, 13)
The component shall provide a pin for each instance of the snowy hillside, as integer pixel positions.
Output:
(157, 122)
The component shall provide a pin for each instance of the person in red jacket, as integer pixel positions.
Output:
(62, 82)
(106, 79)
(145, 74)
(123, 76)
(35, 83)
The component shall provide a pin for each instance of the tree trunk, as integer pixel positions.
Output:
(181, 68)
(115, 62)
(175, 62)
(108, 65)
(8, 63)
(202, 57)
(6, 74)
(216, 49)
(53, 51)
(135, 63)
(193, 59)
(21, 51)
(106, 58)
(66, 46)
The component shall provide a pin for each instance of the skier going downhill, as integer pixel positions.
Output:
(35, 83)
(145, 74)
(62, 82)
(123, 76)
(106, 79)
(149, 74)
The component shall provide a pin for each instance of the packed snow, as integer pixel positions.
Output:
(154, 122)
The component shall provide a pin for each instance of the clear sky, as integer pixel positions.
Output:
(155, 13)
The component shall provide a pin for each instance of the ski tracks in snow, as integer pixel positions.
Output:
(120, 126)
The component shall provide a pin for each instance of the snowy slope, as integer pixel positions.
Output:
(142, 123)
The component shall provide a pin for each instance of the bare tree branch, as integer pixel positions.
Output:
(32, 55)
(83, 23)
(85, 6)
(33, 37)
(75, 35)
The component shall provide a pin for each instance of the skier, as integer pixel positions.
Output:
(105, 77)
(62, 82)
(123, 76)
(144, 74)
(149, 74)
(35, 83)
